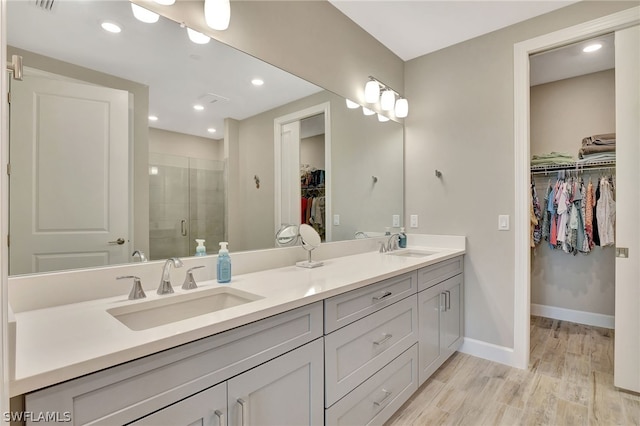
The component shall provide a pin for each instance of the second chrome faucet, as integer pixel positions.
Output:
(165, 281)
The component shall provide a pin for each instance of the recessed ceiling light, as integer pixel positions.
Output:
(211, 130)
(165, 2)
(257, 82)
(592, 47)
(144, 15)
(198, 107)
(197, 37)
(153, 118)
(112, 27)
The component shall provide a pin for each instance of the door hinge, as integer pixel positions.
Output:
(9, 97)
(9, 168)
(8, 240)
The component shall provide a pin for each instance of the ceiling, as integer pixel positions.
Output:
(417, 27)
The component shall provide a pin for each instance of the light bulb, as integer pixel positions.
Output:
(197, 37)
(592, 48)
(387, 100)
(217, 14)
(144, 15)
(382, 118)
(402, 108)
(351, 104)
(371, 92)
(367, 111)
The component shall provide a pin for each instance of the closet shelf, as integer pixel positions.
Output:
(574, 166)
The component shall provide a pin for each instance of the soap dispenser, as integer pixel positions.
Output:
(201, 250)
(403, 238)
(224, 264)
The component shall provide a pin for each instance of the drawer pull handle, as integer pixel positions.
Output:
(220, 416)
(387, 394)
(243, 404)
(448, 300)
(385, 294)
(384, 339)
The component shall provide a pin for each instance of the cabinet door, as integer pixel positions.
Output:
(288, 390)
(207, 408)
(430, 304)
(452, 321)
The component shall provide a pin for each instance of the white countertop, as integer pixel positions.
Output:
(63, 342)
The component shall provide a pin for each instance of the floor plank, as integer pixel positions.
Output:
(569, 382)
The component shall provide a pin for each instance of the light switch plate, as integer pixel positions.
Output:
(395, 219)
(336, 220)
(503, 222)
(413, 221)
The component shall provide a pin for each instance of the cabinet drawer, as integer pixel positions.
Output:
(375, 401)
(355, 352)
(434, 274)
(132, 390)
(348, 307)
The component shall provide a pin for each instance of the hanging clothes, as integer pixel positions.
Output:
(589, 210)
(606, 213)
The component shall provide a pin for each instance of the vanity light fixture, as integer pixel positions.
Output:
(257, 82)
(198, 107)
(217, 14)
(165, 2)
(153, 118)
(351, 104)
(382, 118)
(402, 108)
(111, 27)
(387, 100)
(144, 15)
(367, 111)
(592, 47)
(197, 37)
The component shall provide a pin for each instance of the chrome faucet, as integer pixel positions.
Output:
(189, 281)
(136, 291)
(392, 242)
(140, 254)
(165, 281)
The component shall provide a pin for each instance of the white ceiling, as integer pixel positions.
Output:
(417, 27)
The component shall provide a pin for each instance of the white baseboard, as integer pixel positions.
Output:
(580, 317)
(488, 351)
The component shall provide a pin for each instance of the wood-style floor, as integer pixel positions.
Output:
(569, 382)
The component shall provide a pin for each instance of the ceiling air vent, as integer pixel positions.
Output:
(45, 4)
(212, 98)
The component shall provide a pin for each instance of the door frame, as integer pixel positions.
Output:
(278, 124)
(522, 267)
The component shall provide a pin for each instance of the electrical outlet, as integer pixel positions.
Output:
(414, 221)
(336, 219)
(395, 219)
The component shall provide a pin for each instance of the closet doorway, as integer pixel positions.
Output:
(627, 268)
(303, 169)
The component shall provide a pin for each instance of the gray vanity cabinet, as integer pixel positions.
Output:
(440, 314)
(207, 408)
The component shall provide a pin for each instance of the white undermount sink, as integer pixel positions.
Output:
(177, 307)
(411, 253)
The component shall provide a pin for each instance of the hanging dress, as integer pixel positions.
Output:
(606, 213)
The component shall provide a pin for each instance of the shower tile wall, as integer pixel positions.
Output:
(186, 201)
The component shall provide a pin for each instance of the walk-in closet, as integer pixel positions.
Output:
(573, 182)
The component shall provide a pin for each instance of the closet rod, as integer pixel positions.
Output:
(574, 167)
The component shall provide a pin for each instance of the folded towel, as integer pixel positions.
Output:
(553, 158)
(604, 139)
(594, 149)
(597, 158)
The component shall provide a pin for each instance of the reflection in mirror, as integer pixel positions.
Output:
(93, 190)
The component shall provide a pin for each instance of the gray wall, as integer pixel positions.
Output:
(167, 142)
(461, 122)
(562, 113)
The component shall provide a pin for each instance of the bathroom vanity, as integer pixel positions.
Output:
(347, 343)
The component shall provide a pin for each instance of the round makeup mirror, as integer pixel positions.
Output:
(310, 240)
(287, 235)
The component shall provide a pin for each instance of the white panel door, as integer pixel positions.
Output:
(69, 190)
(627, 314)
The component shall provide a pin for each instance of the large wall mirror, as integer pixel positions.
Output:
(144, 140)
